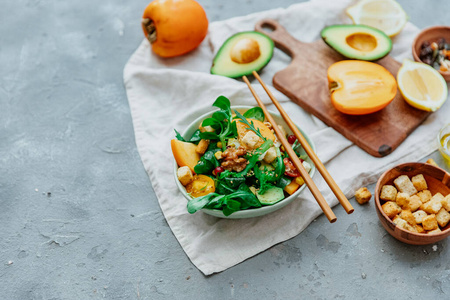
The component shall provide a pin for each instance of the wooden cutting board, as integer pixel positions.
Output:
(305, 82)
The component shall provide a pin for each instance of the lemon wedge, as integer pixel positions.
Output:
(386, 15)
(421, 85)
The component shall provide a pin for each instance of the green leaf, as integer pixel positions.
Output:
(209, 136)
(255, 113)
(222, 102)
(178, 136)
(220, 115)
(196, 204)
(195, 136)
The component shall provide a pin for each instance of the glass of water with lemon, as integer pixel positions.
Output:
(444, 142)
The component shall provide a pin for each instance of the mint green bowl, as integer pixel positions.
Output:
(252, 212)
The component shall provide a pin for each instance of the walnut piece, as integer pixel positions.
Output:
(232, 160)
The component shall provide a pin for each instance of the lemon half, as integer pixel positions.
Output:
(386, 15)
(421, 85)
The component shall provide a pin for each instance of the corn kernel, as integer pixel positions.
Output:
(218, 154)
(219, 144)
(299, 180)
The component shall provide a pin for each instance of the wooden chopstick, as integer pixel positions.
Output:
(294, 158)
(319, 165)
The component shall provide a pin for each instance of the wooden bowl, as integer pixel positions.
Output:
(431, 34)
(437, 179)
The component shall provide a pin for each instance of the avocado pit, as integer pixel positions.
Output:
(245, 51)
(362, 42)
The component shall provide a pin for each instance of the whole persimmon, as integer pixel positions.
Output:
(174, 27)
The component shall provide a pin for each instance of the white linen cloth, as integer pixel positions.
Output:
(170, 93)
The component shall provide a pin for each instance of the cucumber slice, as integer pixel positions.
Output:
(271, 196)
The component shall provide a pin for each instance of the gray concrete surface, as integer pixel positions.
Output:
(78, 216)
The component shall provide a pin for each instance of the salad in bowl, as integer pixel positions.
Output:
(229, 163)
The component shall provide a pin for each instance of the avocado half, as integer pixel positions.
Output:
(357, 41)
(243, 53)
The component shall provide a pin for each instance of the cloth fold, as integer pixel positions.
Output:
(170, 93)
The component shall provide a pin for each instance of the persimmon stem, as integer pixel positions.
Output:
(150, 29)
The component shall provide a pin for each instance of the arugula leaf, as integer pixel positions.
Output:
(178, 136)
(255, 113)
(250, 125)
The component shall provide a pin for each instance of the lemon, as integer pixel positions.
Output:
(386, 15)
(421, 85)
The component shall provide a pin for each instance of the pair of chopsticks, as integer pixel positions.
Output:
(294, 158)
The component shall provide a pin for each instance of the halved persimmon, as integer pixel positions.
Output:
(360, 87)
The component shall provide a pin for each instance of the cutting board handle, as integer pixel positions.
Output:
(283, 40)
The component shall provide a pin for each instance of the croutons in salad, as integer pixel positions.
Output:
(234, 162)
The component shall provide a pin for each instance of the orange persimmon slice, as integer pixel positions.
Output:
(360, 87)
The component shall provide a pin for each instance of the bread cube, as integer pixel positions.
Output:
(419, 215)
(413, 204)
(403, 224)
(391, 209)
(202, 146)
(437, 197)
(363, 195)
(442, 217)
(437, 230)
(419, 182)
(446, 202)
(270, 155)
(430, 222)
(388, 193)
(432, 206)
(405, 185)
(282, 130)
(402, 199)
(424, 196)
(431, 161)
(206, 128)
(251, 140)
(420, 229)
(184, 175)
(408, 217)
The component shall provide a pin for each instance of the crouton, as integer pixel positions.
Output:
(282, 130)
(442, 217)
(184, 175)
(438, 197)
(431, 207)
(403, 224)
(270, 155)
(363, 195)
(437, 230)
(405, 185)
(432, 162)
(446, 202)
(388, 193)
(391, 209)
(402, 199)
(419, 215)
(424, 196)
(251, 140)
(413, 204)
(420, 229)
(430, 222)
(202, 146)
(206, 128)
(408, 217)
(419, 182)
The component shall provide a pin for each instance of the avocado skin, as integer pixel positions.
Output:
(223, 65)
(342, 47)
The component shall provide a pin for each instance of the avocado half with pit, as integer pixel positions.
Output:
(243, 53)
(357, 41)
